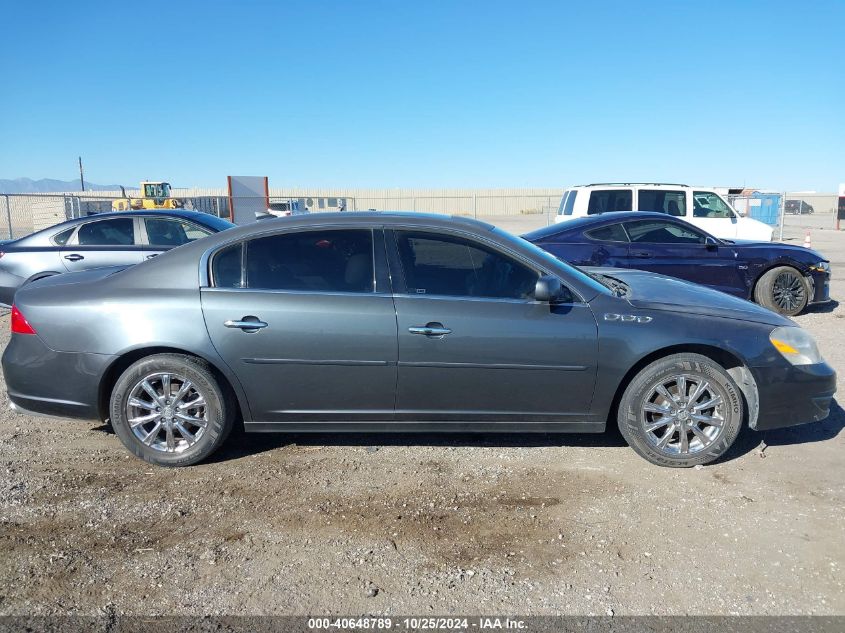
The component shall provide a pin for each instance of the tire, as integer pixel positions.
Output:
(189, 381)
(639, 419)
(783, 290)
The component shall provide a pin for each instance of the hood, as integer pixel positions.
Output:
(795, 249)
(651, 291)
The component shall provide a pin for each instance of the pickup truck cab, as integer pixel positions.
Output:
(700, 206)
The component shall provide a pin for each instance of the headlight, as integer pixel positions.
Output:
(796, 345)
(821, 267)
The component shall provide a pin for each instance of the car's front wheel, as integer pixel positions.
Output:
(170, 410)
(681, 411)
(784, 290)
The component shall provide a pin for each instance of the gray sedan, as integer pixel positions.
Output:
(403, 322)
(108, 239)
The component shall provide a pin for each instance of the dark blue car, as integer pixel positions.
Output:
(782, 277)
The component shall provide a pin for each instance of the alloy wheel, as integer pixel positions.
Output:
(684, 414)
(788, 291)
(167, 412)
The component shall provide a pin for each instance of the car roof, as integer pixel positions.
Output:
(631, 184)
(44, 235)
(585, 222)
(435, 220)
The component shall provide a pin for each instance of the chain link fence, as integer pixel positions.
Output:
(22, 214)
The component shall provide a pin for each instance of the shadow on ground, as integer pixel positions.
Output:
(827, 429)
(245, 444)
(822, 308)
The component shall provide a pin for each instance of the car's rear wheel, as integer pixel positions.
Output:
(170, 410)
(784, 290)
(681, 411)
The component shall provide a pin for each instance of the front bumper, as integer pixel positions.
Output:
(791, 395)
(820, 287)
(42, 381)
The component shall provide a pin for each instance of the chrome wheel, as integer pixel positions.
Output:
(684, 414)
(788, 291)
(166, 412)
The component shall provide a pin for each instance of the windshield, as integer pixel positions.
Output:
(157, 190)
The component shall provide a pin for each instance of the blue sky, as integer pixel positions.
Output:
(439, 94)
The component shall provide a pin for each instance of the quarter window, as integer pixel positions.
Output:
(453, 266)
(114, 232)
(604, 200)
(61, 239)
(567, 203)
(662, 200)
(657, 232)
(226, 267)
(611, 233)
(707, 204)
(320, 261)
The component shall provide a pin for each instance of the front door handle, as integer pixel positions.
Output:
(642, 255)
(74, 257)
(247, 324)
(151, 256)
(430, 329)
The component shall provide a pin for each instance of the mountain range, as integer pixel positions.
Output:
(49, 185)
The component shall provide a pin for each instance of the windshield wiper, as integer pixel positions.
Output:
(617, 287)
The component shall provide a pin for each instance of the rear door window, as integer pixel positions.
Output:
(113, 232)
(662, 200)
(335, 260)
(604, 200)
(168, 232)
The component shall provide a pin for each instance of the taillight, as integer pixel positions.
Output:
(19, 323)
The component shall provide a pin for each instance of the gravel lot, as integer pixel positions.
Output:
(420, 524)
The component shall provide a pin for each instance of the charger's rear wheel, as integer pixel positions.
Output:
(170, 410)
(681, 411)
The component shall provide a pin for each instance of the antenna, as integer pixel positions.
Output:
(81, 177)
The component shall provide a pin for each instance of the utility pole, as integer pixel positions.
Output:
(81, 177)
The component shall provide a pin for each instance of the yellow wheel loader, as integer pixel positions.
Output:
(154, 195)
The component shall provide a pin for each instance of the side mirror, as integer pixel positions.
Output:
(711, 243)
(548, 289)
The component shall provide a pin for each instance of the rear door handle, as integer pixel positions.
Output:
(642, 255)
(74, 257)
(432, 329)
(247, 324)
(151, 256)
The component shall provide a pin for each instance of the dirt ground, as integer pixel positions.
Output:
(379, 524)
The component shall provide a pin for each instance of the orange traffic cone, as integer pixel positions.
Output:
(807, 242)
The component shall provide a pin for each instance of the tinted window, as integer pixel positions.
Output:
(167, 232)
(612, 233)
(671, 202)
(567, 203)
(657, 232)
(707, 204)
(226, 267)
(114, 232)
(62, 238)
(602, 201)
(328, 261)
(445, 265)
